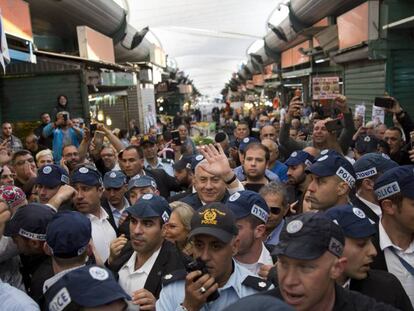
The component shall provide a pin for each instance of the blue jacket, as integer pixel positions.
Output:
(58, 139)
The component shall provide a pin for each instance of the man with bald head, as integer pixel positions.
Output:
(274, 164)
(270, 132)
(321, 137)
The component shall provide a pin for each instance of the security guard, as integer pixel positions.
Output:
(368, 168)
(251, 213)
(309, 262)
(151, 159)
(222, 281)
(395, 239)
(87, 287)
(360, 252)
(332, 179)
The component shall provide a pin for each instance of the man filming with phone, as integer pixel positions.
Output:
(393, 136)
(323, 136)
(64, 133)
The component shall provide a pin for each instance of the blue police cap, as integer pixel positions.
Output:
(299, 157)
(51, 176)
(308, 236)
(184, 162)
(259, 303)
(114, 179)
(245, 203)
(88, 286)
(142, 182)
(68, 234)
(396, 180)
(196, 160)
(151, 205)
(87, 175)
(372, 164)
(30, 221)
(331, 163)
(352, 220)
(366, 144)
(246, 141)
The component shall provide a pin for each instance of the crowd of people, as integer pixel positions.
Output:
(294, 209)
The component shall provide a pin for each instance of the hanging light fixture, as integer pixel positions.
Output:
(100, 116)
(108, 121)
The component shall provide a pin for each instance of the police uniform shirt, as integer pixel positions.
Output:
(51, 281)
(264, 259)
(164, 164)
(393, 263)
(132, 280)
(172, 294)
(102, 233)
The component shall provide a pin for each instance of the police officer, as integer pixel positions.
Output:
(88, 287)
(367, 169)
(214, 234)
(298, 180)
(28, 229)
(68, 242)
(395, 239)
(309, 262)
(360, 252)
(87, 181)
(143, 261)
(151, 159)
(332, 179)
(251, 213)
(114, 201)
(139, 186)
(259, 303)
(48, 181)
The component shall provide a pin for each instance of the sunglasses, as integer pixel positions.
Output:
(275, 210)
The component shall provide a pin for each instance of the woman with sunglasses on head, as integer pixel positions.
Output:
(179, 225)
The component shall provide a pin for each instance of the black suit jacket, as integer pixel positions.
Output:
(194, 201)
(365, 208)
(165, 182)
(383, 287)
(111, 219)
(379, 262)
(346, 300)
(168, 261)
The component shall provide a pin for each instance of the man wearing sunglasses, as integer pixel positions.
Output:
(275, 196)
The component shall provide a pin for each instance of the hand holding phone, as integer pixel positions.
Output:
(334, 125)
(384, 102)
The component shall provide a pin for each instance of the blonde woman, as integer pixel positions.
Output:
(179, 225)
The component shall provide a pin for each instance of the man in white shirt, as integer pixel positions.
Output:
(251, 213)
(114, 201)
(87, 182)
(368, 168)
(143, 261)
(395, 241)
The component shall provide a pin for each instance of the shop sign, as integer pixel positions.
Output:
(258, 80)
(325, 87)
(112, 78)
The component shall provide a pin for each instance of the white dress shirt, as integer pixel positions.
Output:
(118, 213)
(375, 208)
(132, 280)
(393, 263)
(264, 259)
(102, 233)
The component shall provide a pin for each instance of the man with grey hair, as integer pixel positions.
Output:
(275, 195)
